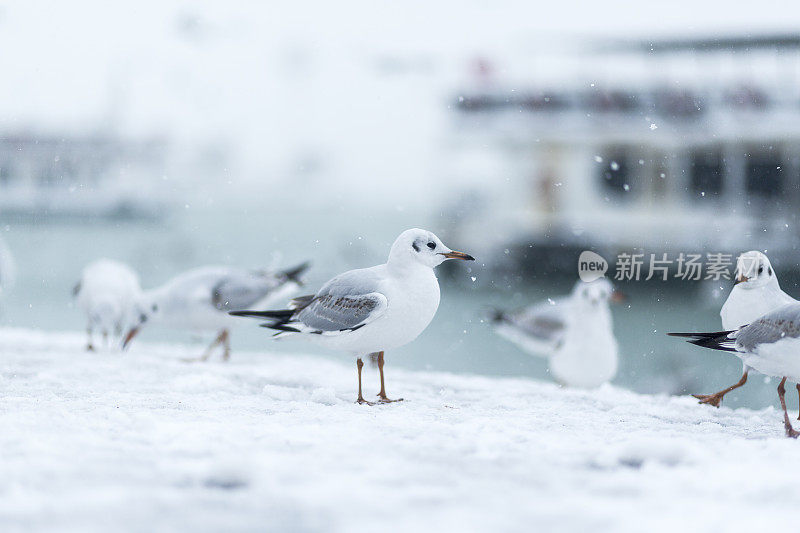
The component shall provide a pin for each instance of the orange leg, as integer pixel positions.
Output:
(716, 398)
(361, 400)
(224, 339)
(382, 393)
(790, 431)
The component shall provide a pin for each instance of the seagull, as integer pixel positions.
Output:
(755, 292)
(769, 345)
(575, 333)
(8, 267)
(370, 310)
(201, 298)
(107, 292)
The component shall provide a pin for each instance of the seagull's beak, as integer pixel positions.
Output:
(618, 297)
(458, 255)
(740, 279)
(129, 337)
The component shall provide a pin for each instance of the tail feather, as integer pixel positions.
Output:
(280, 327)
(497, 315)
(493, 314)
(282, 314)
(293, 274)
(280, 319)
(717, 340)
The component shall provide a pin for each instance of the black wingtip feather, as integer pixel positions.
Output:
(702, 335)
(293, 274)
(496, 315)
(282, 314)
(280, 327)
(717, 340)
(280, 318)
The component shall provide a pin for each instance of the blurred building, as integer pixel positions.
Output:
(46, 176)
(677, 145)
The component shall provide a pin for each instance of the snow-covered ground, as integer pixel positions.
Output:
(145, 442)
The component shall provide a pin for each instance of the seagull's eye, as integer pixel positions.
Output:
(760, 269)
(431, 245)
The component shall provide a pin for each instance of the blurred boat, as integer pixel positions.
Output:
(680, 145)
(46, 177)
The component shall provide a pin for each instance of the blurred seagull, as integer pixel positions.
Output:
(755, 292)
(575, 333)
(108, 293)
(8, 268)
(201, 298)
(770, 345)
(374, 309)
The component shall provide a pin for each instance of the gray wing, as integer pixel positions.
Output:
(242, 290)
(330, 313)
(543, 321)
(772, 327)
(545, 328)
(346, 302)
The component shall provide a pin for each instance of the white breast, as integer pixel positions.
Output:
(745, 305)
(108, 292)
(588, 355)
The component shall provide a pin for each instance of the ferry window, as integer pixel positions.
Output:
(615, 173)
(764, 176)
(707, 172)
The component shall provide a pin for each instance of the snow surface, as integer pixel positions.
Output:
(144, 442)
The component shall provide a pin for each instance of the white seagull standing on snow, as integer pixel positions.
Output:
(374, 309)
(575, 333)
(755, 293)
(108, 293)
(770, 345)
(201, 298)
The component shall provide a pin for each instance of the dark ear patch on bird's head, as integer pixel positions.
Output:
(415, 246)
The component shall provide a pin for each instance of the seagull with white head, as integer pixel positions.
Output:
(769, 344)
(108, 293)
(370, 310)
(575, 333)
(755, 292)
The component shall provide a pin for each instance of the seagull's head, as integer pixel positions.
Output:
(597, 292)
(753, 271)
(143, 312)
(415, 246)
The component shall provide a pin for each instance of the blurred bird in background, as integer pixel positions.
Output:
(575, 333)
(108, 293)
(200, 299)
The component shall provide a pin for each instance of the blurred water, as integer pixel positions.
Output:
(50, 257)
